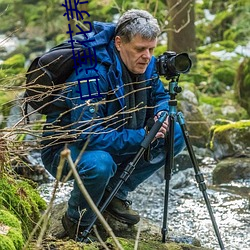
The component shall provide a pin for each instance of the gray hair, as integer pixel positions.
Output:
(137, 22)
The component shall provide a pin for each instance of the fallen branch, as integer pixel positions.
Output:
(66, 154)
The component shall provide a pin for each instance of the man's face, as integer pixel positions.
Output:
(137, 53)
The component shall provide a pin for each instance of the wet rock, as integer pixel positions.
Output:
(149, 233)
(231, 169)
(232, 139)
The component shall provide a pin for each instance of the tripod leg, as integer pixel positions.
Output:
(168, 173)
(199, 176)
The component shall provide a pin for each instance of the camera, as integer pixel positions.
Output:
(171, 65)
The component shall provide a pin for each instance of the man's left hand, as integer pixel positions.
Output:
(164, 128)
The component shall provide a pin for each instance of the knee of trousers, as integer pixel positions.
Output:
(179, 142)
(97, 165)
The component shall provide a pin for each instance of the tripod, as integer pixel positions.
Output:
(169, 163)
(173, 90)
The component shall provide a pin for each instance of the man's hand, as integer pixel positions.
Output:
(164, 128)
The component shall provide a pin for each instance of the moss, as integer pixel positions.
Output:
(16, 237)
(17, 61)
(13, 239)
(9, 219)
(128, 244)
(220, 131)
(236, 125)
(6, 243)
(22, 200)
(225, 75)
(212, 100)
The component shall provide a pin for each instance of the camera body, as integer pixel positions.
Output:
(171, 65)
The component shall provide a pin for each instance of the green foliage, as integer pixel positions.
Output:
(22, 200)
(17, 60)
(12, 67)
(229, 23)
(6, 243)
(13, 239)
(224, 75)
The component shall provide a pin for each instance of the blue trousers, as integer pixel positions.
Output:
(100, 170)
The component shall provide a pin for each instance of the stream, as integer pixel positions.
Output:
(187, 212)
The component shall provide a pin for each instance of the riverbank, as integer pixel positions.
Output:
(188, 216)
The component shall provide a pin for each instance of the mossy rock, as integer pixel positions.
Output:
(219, 107)
(21, 199)
(232, 139)
(231, 169)
(128, 244)
(10, 231)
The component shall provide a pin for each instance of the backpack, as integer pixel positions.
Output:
(47, 74)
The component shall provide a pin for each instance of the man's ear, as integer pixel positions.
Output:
(118, 42)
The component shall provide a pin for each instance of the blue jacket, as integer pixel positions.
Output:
(100, 120)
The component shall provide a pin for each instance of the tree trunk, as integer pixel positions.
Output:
(181, 27)
(79, 7)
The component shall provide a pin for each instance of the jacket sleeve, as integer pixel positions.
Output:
(88, 124)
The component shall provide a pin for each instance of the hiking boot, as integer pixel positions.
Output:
(121, 211)
(75, 231)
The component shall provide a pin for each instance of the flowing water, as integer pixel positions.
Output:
(187, 212)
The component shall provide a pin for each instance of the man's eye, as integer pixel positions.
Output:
(139, 49)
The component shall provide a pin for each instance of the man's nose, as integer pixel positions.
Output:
(146, 54)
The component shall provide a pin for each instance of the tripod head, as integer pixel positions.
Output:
(174, 89)
(171, 65)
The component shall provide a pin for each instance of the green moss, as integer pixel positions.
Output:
(16, 237)
(6, 243)
(212, 100)
(128, 244)
(236, 125)
(239, 128)
(13, 239)
(9, 219)
(17, 61)
(225, 75)
(22, 200)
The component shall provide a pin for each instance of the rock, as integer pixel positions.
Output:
(197, 125)
(181, 179)
(231, 169)
(231, 139)
(149, 238)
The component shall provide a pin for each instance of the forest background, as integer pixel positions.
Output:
(214, 33)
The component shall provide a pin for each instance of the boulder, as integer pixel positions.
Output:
(230, 140)
(197, 125)
(231, 169)
(150, 235)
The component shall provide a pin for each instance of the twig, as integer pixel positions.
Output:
(45, 217)
(137, 236)
(66, 154)
(99, 238)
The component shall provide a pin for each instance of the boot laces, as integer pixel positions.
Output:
(127, 203)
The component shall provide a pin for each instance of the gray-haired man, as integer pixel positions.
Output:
(114, 129)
